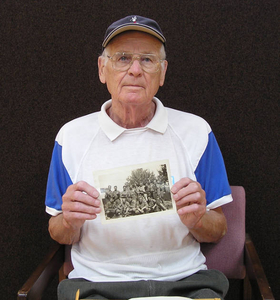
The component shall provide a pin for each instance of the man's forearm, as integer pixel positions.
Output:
(212, 228)
(60, 233)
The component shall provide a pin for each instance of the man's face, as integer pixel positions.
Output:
(134, 86)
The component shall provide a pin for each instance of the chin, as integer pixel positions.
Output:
(134, 100)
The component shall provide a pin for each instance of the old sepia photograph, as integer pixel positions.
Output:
(135, 191)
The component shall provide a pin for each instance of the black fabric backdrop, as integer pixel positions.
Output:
(223, 65)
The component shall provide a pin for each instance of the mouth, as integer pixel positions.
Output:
(134, 86)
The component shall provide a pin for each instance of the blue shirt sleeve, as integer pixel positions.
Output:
(58, 180)
(211, 172)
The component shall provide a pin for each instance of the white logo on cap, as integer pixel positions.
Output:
(133, 19)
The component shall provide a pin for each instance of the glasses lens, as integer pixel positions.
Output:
(123, 61)
(149, 62)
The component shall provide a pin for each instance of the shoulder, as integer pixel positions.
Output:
(81, 127)
(82, 122)
(187, 123)
(190, 131)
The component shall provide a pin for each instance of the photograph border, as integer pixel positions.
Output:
(145, 191)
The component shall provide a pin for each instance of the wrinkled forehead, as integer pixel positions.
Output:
(133, 41)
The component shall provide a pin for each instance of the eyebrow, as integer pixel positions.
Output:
(144, 52)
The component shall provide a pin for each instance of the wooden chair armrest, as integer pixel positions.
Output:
(37, 283)
(255, 272)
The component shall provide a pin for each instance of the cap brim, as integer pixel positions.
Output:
(137, 27)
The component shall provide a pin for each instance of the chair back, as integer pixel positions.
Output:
(227, 256)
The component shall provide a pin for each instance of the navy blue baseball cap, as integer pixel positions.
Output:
(137, 23)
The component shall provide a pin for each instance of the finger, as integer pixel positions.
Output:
(85, 198)
(86, 188)
(72, 217)
(82, 192)
(183, 182)
(189, 198)
(82, 207)
(77, 218)
(191, 189)
(190, 209)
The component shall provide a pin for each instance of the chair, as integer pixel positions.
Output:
(235, 255)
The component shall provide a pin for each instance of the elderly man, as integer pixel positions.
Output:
(157, 255)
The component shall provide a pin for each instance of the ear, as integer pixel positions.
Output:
(163, 72)
(101, 66)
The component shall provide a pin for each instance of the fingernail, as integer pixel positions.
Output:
(95, 194)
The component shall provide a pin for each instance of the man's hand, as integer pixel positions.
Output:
(80, 203)
(190, 201)
(205, 226)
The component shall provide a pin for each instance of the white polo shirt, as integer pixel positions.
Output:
(156, 247)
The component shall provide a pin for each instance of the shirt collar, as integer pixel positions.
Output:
(158, 123)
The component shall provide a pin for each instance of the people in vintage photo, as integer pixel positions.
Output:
(150, 194)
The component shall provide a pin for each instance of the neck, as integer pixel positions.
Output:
(132, 116)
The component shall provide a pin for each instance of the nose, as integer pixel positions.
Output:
(135, 68)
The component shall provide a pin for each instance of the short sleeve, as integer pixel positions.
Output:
(211, 172)
(58, 182)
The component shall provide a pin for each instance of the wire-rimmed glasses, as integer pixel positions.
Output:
(122, 61)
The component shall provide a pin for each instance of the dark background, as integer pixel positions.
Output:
(223, 65)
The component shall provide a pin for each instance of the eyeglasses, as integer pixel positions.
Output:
(122, 61)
